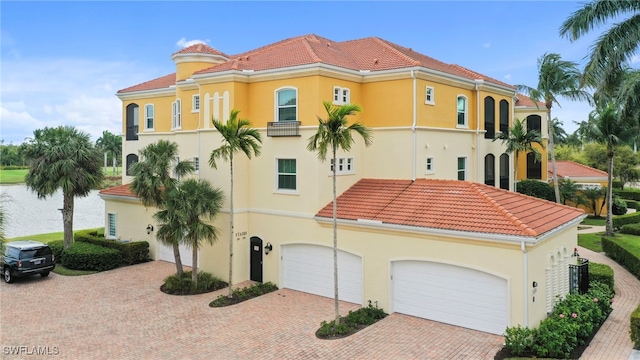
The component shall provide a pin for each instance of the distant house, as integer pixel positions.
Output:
(585, 176)
(427, 224)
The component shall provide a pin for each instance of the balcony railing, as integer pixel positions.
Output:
(283, 128)
(132, 132)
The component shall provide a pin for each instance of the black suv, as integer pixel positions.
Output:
(25, 258)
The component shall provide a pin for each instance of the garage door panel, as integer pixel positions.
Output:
(450, 294)
(166, 254)
(309, 268)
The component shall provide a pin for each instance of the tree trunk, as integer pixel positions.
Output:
(176, 255)
(231, 228)
(105, 159)
(515, 174)
(67, 218)
(609, 224)
(335, 239)
(194, 266)
(556, 187)
(113, 162)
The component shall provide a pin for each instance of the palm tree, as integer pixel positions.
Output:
(570, 191)
(153, 179)
(333, 134)
(110, 143)
(63, 158)
(593, 195)
(559, 134)
(556, 77)
(188, 206)
(237, 135)
(609, 128)
(518, 140)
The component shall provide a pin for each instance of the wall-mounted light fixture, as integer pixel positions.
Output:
(149, 229)
(268, 248)
(575, 252)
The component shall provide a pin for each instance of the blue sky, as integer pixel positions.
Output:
(62, 62)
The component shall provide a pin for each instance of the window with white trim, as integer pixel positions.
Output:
(429, 168)
(176, 113)
(429, 95)
(148, 117)
(287, 104)
(462, 168)
(345, 166)
(111, 226)
(341, 95)
(286, 174)
(195, 103)
(462, 111)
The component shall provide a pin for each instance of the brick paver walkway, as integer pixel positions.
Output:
(121, 314)
(612, 342)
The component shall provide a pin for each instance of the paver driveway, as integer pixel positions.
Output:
(121, 314)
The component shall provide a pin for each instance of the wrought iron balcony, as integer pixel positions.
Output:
(283, 128)
(132, 132)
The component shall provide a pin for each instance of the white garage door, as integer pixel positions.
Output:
(450, 294)
(309, 268)
(186, 256)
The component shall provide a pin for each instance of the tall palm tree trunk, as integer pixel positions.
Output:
(609, 225)
(335, 240)
(113, 162)
(231, 227)
(194, 271)
(556, 187)
(176, 255)
(67, 218)
(515, 175)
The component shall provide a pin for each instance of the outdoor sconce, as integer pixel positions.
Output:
(575, 252)
(268, 248)
(149, 229)
(535, 284)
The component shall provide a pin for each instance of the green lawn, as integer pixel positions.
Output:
(12, 176)
(629, 242)
(594, 221)
(590, 241)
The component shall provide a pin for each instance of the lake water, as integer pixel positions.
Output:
(28, 215)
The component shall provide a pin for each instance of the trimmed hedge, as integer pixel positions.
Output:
(635, 328)
(632, 204)
(85, 256)
(13, 167)
(601, 273)
(621, 255)
(57, 247)
(536, 188)
(620, 221)
(631, 229)
(132, 252)
(632, 194)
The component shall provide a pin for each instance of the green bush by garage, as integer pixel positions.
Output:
(132, 252)
(85, 256)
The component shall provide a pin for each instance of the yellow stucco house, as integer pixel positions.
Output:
(427, 224)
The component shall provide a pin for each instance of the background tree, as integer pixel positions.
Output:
(593, 195)
(570, 191)
(519, 140)
(559, 134)
(189, 205)
(63, 158)
(153, 178)
(556, 77)
(2, 228)
(335, 134)
(110, 144)
(625, 167)
(237, 135)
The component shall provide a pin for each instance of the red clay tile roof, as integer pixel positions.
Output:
(122, 190)
(159, 83)
(200, 49)
(575, 170)
(525, 101)
(450, 205)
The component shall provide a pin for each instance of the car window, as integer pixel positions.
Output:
(12, 252)
(31, 253)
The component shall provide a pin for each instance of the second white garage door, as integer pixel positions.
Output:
(309, 268)
(166, 254)
(450, 294)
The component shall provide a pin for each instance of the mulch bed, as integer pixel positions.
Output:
(164, 289)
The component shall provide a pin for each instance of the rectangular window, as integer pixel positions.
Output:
(345, 166)
(462, 111)
(429, 99)
(195, 106)
(148, 116)
(196, 163)
(111, 225)
(341, 95)
(286, 174)
(349, 165)
(429, 169)
(176, 113)
(287, 105)
(462, 168)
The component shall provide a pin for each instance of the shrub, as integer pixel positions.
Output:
(556, 337)
(243, 294)
(633, 204)
(352, 323)
(183, 285)
(601, 273)
(621, 255)
(619, 206)
(602, 295)
(132, 252)
(518, 340)
(620, 221)
(13, 167)
(365, 316)
(537, 189)
(635, 328)
(57, 247)
(632, 194)
(83, 256)
(631, 229)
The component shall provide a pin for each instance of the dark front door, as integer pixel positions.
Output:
(256, 259)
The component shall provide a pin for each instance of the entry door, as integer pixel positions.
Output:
(256, 259)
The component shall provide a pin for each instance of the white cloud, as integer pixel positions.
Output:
(508, 76)
(486, 45)
(183, 42)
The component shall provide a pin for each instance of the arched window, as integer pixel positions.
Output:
(489, 117)
(490, 170)
(504, 171)
(132, 121)
(131, 159)
(287, 104)
(462, 105)
(504, 116)
(534, 123)
(534, 167)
